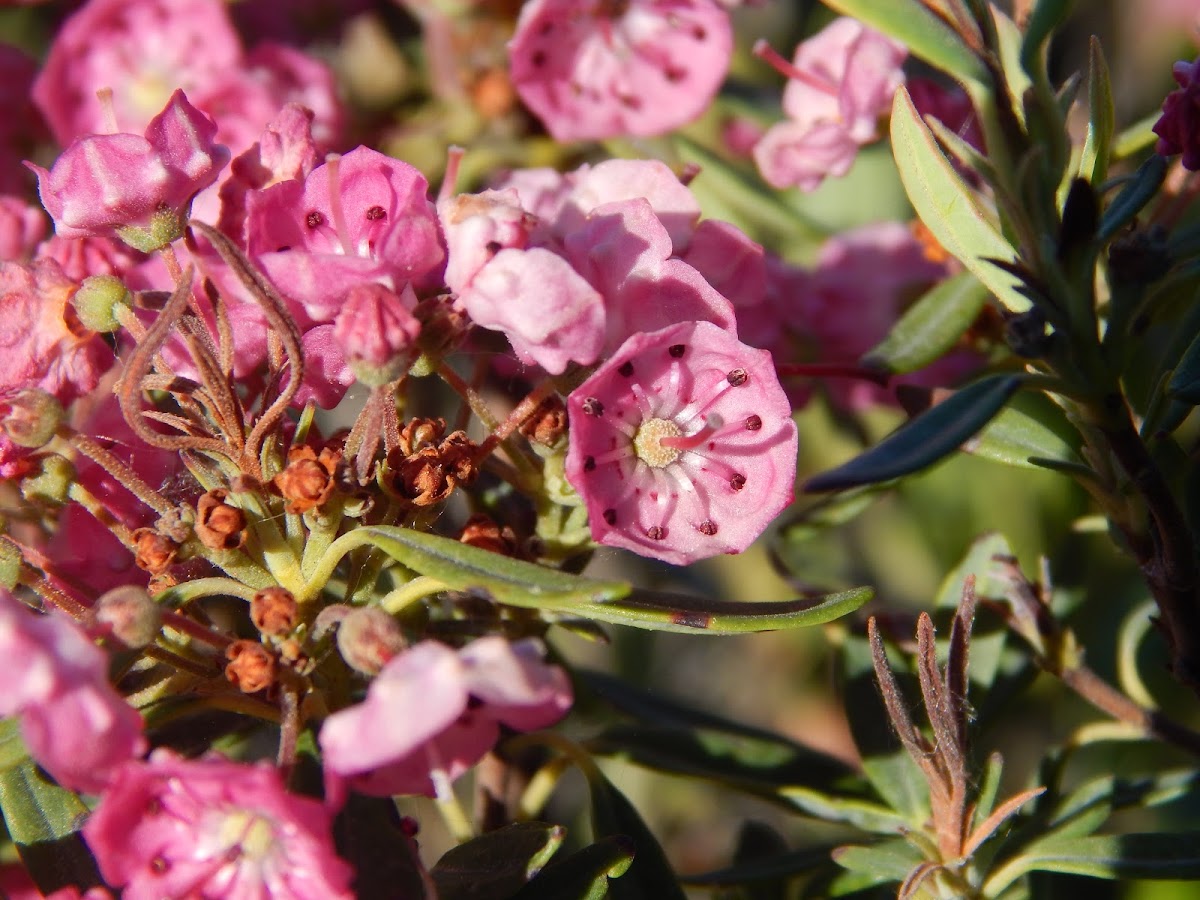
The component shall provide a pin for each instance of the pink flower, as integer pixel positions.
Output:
(592, 70)
(840, 82)
(75, 725)
(364, 217)
(22, 227)
(682, 444)
(138, 188)
(477, 227)
(174, 827)
(143, 50)
(433, 711)
(374, 329)
(1178, 129)
(38, 346)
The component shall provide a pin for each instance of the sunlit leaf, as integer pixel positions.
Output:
(583, 875)
(948, 207)
(1141, 188)
(650, 877)
(1031, 427)
(1171, 855)
(931, 326)
(1093, 162)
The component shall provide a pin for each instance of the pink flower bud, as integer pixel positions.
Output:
(138, 188)
(129, 615)
(374, 329)
(368, 638)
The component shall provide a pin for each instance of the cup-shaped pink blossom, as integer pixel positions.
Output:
(682, 444)
(593, 70)
(211, 827)
(137, 188)
(434, 712)
(56, 680)
(1178, 128)
(477, 227)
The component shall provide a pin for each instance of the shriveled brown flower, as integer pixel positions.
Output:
(482, 531)
(309, 479)
(431, 474)
(548, 423)
(419, 433)
(251, 666)
(153, 551)
(219, 526)
(273, 611)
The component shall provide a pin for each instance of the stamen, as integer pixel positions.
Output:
(771, 57)
(332, 166)
(712, 424)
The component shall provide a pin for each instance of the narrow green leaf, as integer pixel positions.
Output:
(1172, 855)
(928, 438)
(1032, 426)
(926, 35)
(1047, 15)
(931, 326)
(650, 877)
(1097, 146)
(12, 748)
(498, 864)
(977, 562)
(43, 820)
(948, 207)
(860, 813)
(463, 567)
(583, 875)
(1185, 380)
(889, 860)
(1141, 188)
(1137, 137)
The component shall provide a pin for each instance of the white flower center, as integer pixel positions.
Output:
(647, 443)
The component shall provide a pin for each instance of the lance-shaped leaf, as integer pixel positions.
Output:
(928, 438)
(1097, 145)
(948, 207)
(583, 875)
(1141, 188)
(496, 864)
(43, 821)
(931, 326)
(926, 35)
(1171, 856)
(650, 877)
(1029, 433)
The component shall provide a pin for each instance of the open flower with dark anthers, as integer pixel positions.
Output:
(593, 70)
(211, 827)
(682, 444)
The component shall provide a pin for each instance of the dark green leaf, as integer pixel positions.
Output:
(1046, 16)
(583, 875)
(933, 435)
(931, 326)
(498, 864)
(782, 866)
(369, 835)
(926, 35)
(1138, 191)
(862, 814)
(949, 207)
(650, 876)
(1185, 380)
(1032, 426)
(43, 820)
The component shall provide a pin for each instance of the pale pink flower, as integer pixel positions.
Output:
(682, 444)
(548, 312)
(1178, 128)
(138, 188)
(211, 827)
(434, 711)
(840, 82)
(144, 50)
(593, 70)
(75, 725)
(477, 227)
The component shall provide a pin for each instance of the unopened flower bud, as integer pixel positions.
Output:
(97, 300)
(219, 526)
(50, 483)
(273, 611)
(374, 330)
(251, 666)
(30, 417)
(367, 638)
(548, 423)
(131, 616)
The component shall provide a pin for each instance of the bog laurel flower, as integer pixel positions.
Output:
(174, 827)
(682, 444)
(1178, 128)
